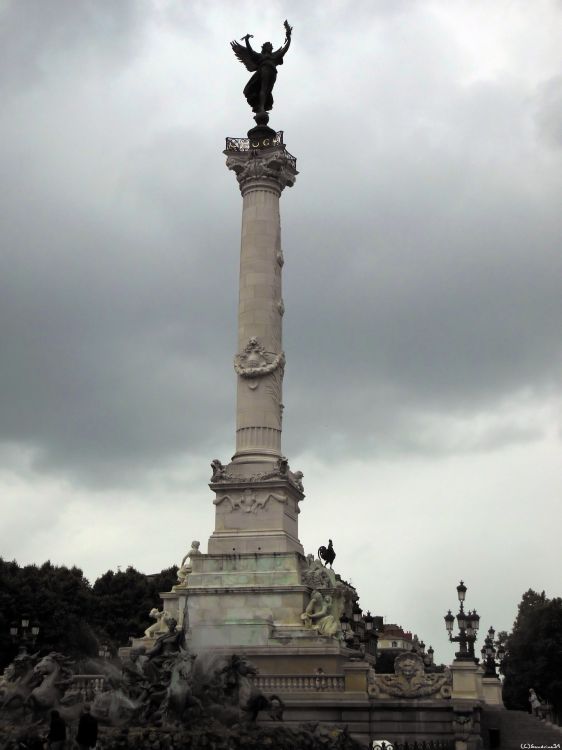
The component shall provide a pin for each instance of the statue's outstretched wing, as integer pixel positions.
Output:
(246, 56)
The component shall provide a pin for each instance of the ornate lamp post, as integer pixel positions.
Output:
(371, 637)
(468, 624)
(492, 657)
(25, 633)
(103, 651)
(345, 626)
(359, 631)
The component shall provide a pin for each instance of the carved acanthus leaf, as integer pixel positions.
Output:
(276, 166)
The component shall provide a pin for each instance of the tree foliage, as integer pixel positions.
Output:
(534, 652)
(75, 617)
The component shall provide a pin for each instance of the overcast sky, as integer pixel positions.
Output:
(422, 286)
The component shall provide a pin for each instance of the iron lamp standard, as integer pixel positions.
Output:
(25, 633)
(493, 654)
(359, 631)
(468, 624)
(371, 637)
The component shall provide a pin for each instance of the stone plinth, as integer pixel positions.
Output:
(356, 676)
(238, 599)
(492, 691)
(467, 680)
(259, 516)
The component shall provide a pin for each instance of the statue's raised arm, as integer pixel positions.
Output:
(263, 65)
(279, 54)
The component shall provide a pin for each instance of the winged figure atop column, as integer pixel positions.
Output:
(263, 65)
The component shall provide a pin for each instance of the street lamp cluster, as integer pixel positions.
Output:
(468, 624)
(426, 656)
(359, 631)
(493, 654)
(24, 633)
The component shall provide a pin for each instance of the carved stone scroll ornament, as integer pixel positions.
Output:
(410, 681)
(255, 362)
(463, 725)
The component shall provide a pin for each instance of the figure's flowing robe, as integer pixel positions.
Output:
(263, 78)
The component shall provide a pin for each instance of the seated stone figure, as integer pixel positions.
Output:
(135, 682)
(318, 615)
(165, 648)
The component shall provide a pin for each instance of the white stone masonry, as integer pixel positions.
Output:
(262, 175)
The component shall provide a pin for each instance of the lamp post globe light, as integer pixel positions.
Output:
(468, 624)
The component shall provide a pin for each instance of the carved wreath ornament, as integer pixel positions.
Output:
(255, 362)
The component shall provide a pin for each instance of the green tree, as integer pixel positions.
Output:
(59, 597)
(534, 653)
(124, 600)
(74, 616)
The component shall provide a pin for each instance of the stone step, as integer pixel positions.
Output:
(518, 729)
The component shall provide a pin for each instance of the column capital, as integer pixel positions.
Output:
(255, 169)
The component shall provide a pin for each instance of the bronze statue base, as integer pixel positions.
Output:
(261, 136)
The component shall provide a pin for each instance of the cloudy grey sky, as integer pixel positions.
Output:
(423, 286)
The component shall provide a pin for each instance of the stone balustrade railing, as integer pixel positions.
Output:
(88, 684)
(300, 683)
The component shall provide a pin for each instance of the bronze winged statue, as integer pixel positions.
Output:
(264, 67)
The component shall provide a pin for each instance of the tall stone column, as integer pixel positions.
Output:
(262, 175)
(257, 493)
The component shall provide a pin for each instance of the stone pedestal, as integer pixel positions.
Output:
(492, 691)
(259, 516)
(356, 676)
(467, 680)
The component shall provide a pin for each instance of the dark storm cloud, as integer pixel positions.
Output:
(422, 276)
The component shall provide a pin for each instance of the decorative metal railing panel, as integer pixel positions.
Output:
(243, 144)
(329, 683)
(88, 684)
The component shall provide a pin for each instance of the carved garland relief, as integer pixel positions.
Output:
(250, 501)
(255, 362)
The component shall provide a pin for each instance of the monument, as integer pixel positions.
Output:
(255, 592)
(253, 589)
